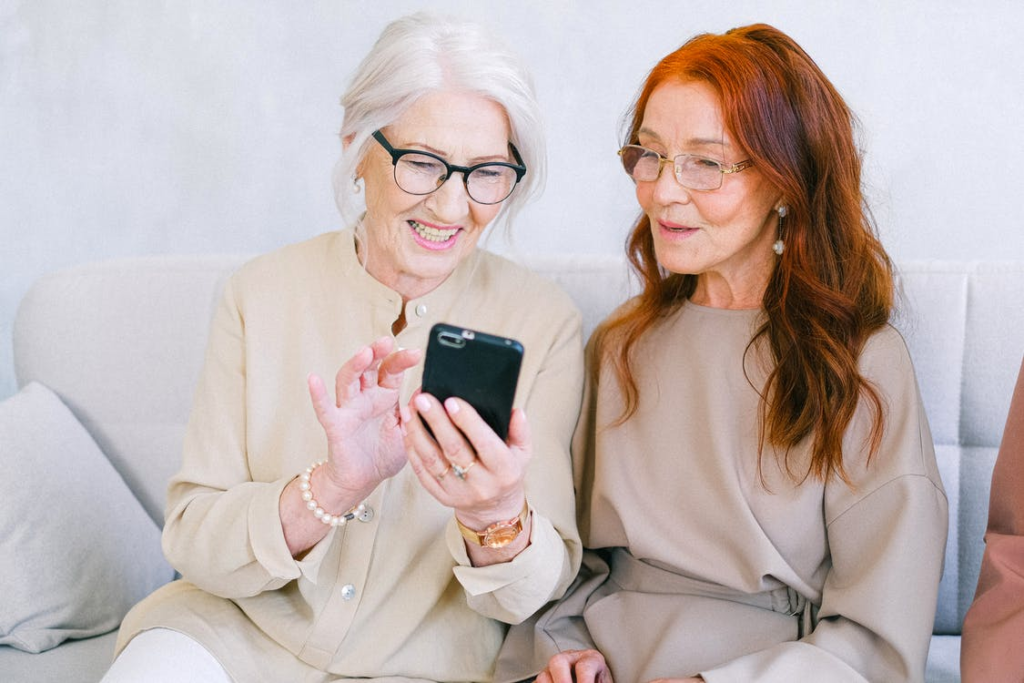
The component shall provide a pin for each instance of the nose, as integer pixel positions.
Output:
(667, 189)
(450, 202)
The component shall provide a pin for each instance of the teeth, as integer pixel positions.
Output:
(432, 234)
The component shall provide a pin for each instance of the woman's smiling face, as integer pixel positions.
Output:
(723, 236)
(412, 243)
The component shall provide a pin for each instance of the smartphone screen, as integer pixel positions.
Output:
(480, 368)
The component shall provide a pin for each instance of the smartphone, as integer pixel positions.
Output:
(480, 368)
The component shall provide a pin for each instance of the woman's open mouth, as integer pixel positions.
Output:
(675, 228)
(433, 237)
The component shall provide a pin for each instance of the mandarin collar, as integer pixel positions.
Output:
(429, 308)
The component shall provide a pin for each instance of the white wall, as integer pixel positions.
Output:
(192, 126)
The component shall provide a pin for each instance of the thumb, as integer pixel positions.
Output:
(318, 395)
(519, 431)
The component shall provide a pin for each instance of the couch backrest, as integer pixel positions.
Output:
(964, 325)
(122, 343)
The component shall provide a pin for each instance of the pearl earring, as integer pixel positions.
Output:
(779, 245)
(356, 187)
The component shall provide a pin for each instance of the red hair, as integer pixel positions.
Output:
(833, 285)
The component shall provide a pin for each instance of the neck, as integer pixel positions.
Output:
(716, 291)
(406, 285)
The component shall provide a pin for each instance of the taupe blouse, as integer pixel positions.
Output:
(697, 565)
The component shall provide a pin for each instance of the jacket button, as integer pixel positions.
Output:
(348, 591)
(421, 310)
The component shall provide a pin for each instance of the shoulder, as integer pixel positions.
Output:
(291, 259)
(288, 273)
(906, 447)
(885, 360)
(521, 287)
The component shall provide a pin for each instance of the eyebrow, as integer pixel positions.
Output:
(692, 142)
(441, 153)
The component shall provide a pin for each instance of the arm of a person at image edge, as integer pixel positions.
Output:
(364, 439)
(493, 489)
(588, 666)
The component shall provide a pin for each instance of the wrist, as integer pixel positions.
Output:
(496, 511)
(499, 534)
(337, 486)
(323, 507)
(335, 501)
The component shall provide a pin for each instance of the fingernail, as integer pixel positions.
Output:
(404, 413)
(452, 406)
(422, 403)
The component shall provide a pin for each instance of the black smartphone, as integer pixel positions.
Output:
(480, 368)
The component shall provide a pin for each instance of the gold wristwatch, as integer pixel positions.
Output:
(499, 534)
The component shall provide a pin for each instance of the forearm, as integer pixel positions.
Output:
(512, 591)
(482, 555)
(300, 500)
(229, 542)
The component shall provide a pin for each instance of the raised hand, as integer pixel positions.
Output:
(364, 435)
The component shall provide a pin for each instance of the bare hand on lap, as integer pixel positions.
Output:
(576, 666)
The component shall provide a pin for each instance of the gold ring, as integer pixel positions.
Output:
(460, 472)
(444, 474)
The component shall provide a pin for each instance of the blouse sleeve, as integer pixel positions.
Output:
(222, 530)
(887, 537)
(512, 591)
(991, 647)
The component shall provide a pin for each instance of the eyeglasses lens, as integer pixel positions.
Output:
(693, 172)
(640, 164)
(421, 174)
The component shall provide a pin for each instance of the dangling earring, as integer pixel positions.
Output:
(356, 187)
(779, 245)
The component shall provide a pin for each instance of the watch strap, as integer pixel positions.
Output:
(516, 525)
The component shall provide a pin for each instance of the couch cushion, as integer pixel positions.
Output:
(75, 661)
(73, 540)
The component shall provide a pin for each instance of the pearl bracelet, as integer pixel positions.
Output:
(314, 507)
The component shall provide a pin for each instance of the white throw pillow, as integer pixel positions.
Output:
(77, 550)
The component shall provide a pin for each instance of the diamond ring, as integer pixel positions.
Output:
(460, 472)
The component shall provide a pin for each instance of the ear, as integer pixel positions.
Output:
(345, 143)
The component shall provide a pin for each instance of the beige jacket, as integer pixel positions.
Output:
(393, 597)
(992, 647)
(695, 566)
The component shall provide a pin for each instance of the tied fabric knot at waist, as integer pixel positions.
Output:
(641, 576)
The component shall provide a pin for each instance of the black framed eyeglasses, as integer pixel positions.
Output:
(418, 172)
(692, 171)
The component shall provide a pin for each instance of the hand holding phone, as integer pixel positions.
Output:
(480, 368)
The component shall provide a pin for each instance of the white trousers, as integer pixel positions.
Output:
(161, 655)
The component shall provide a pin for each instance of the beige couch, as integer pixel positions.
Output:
(120, 343)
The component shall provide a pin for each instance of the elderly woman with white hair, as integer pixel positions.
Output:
(308, 550)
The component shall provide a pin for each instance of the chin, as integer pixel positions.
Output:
(429, 264)
(674, 262)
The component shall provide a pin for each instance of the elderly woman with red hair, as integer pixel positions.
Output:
(756, 482)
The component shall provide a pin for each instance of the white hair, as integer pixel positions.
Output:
(424, 53)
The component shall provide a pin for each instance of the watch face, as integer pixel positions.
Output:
(501, 536)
